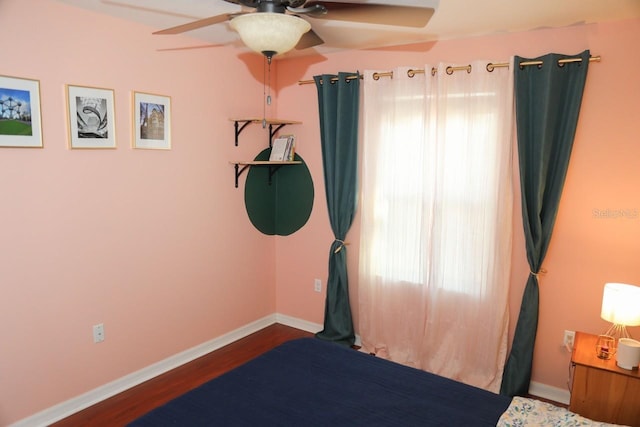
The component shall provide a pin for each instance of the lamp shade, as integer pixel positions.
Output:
(270, 33)
(621, 304)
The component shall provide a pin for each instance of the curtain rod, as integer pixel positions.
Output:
(450, 69)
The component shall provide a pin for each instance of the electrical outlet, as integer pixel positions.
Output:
(98, 333)
(317, 285)
(569, 336)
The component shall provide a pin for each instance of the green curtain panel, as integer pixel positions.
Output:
(280, 204)
(548, 99)
(338, 102)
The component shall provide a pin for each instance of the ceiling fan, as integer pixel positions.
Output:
(277, 26)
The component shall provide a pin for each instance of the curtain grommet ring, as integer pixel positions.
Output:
(490, 67)
(468, 69)
(449, 70)
(376, 76)
(411, 73)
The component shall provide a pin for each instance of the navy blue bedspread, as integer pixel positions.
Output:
(309, 382)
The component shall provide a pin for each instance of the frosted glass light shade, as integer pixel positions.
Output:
(270, 33)
(621, 304)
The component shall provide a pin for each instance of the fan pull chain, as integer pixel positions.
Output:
(266, 77)
(269, 79)
(264, 94)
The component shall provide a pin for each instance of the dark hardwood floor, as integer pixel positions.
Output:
(131, 404)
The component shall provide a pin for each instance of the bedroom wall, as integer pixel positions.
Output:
(154, 244)
(588, 248)
(157, 245)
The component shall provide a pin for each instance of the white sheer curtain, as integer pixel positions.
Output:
(435, 250)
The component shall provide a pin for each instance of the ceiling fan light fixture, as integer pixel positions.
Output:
(270, 32)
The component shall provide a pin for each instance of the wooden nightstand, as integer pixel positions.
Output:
(601, 390)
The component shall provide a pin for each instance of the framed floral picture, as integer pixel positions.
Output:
(151, 121)
(20, 122)
(91, 117)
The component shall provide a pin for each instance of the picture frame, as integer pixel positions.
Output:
(20, 115)
(91, 112)
(151, 121)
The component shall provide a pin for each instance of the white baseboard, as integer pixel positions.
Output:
(552, 393)
(294, 322)
(70, 407)
(306, 326)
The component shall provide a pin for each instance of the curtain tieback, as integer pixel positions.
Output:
(541, 271)
(342, 245)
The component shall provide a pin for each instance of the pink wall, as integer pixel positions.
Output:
(157, 245)
(154, 244)
(585, 251)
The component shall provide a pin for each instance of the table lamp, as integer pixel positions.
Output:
(621, 307)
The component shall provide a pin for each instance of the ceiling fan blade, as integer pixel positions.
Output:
(309, 39)
(197, 24)
(403, 16)
(204, 46)
(146, 9)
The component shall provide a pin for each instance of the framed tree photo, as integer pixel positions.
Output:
(91, 117)
(20, 122)
(151, 121)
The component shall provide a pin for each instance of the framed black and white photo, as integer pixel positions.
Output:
(91, 117)
(20, 122)
(151, 121)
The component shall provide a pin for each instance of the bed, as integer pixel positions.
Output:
(310, 382)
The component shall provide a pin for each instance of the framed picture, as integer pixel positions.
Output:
(20, 123)
(151, 121)
(91, 117)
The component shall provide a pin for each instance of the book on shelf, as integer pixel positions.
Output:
(282, 148)
(291, 148)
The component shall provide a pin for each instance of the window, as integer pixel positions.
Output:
(461, 180)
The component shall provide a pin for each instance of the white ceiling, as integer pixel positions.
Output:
(452, 19)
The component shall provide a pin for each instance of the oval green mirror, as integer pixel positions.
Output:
(278, 198)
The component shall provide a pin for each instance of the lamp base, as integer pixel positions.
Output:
(618, 331)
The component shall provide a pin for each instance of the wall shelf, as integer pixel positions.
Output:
(274, 126)
(241, 166)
